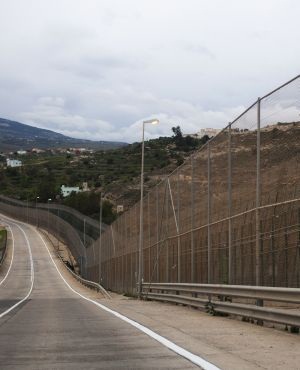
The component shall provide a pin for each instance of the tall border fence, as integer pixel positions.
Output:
(229, 215)
(78, 231)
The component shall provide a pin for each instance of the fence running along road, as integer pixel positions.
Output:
(229, 215)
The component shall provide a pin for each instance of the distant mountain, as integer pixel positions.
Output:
(16, 135)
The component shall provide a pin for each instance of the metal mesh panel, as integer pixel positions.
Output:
(244, 159)
(280, 144)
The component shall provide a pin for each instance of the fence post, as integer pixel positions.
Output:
(298, 248)
(100, 237)
(27, 208)
(178, 237)
(58, 228)
(149, 239)
(84, 247)
(167, 235)
(208, 215)
(157, 237)
(230, 262)
(192, 223)
(258, 201)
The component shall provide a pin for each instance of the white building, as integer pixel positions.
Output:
(120, 208)
(210, 132)
(13, 163)
(21, 152)
(67, 190)
(85, 186)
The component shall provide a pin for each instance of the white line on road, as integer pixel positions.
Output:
(197, 360)
(31, 272)
(12, 256)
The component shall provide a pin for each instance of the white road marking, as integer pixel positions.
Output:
(197, 360)
(32, 276)
(12, 256)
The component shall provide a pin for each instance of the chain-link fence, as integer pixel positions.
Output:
(229, 215)
(79, 232)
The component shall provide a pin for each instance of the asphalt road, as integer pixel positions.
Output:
(54, 328)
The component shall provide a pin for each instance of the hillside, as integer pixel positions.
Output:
(15, 136)
(114, 172)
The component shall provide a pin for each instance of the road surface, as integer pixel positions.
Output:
(45, 325)
(49, 321)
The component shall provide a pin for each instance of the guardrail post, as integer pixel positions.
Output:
(229, 184)
(208, 215)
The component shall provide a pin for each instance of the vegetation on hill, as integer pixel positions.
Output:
(115, 173)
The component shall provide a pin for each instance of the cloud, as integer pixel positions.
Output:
(52, 113)
(96, 69)
(199, 49)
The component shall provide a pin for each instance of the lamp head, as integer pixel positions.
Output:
(153, 121)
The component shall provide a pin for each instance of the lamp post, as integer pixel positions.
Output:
(36, 211)
(141, 236)
(48, 201)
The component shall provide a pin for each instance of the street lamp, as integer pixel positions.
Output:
(36, 211)
(141, 238)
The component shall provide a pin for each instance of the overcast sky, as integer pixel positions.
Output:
(95, 69)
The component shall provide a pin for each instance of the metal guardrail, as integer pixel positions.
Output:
(216, 299)
(88, 283)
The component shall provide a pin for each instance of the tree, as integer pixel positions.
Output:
(88, 204)
(177, 132)
(47, 188)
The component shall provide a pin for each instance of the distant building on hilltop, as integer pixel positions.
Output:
(85, 186)
(13, 162)
(37, 150)
(210, 132)
(67, 190)
(120, 208)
